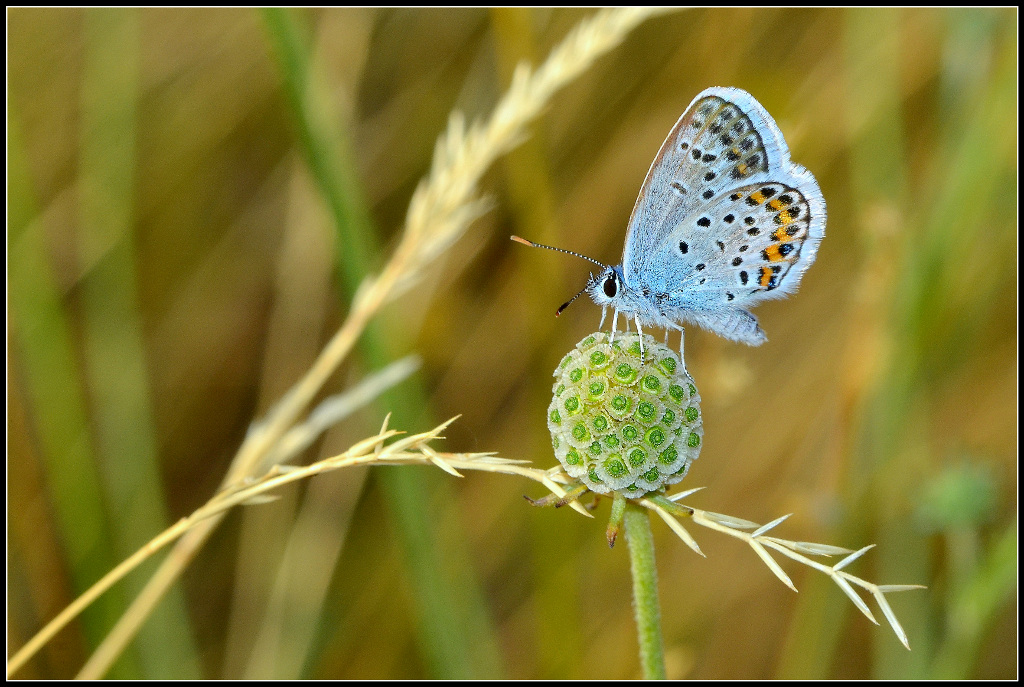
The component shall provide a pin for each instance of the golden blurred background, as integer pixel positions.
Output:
(193, 196)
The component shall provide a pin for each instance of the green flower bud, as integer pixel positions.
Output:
(617, 425)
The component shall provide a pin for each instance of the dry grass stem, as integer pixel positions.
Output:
(446, 201)
(412, 450)
(442, 207)
(760, 543)
(336, 408)
(374, 450)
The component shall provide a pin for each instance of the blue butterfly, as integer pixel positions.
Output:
(723, 222)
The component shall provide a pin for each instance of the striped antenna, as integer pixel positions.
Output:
(519, 239)
(569, 302)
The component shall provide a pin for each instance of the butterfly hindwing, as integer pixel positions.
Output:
(745, 246)
(734, 324)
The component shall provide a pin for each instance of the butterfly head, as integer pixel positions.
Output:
(607, 287)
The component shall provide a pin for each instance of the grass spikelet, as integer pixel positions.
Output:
(760, 543)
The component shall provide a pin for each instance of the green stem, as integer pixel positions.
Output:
(455, 627)
(645, 591)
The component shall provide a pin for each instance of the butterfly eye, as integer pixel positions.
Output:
(611, 287)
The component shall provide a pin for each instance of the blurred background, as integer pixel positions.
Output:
(194, 194)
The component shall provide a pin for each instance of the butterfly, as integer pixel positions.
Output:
(724, 221)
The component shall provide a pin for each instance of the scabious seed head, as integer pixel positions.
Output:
(617, 425)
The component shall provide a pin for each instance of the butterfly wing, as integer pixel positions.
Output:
(724, 219)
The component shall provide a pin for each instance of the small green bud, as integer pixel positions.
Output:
(651, 384)
(622, 402)
(668, 365)
(630, 433)
(669, 455)
(637, 456)
(614, 466)
(625, 374)
(655, 437)
(669, 418)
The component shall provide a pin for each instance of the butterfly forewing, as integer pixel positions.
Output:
(719, 141)
(724, 219)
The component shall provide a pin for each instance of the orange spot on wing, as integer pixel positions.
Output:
(766, 277)
(773, 254)
(756, 196)
(775, 204)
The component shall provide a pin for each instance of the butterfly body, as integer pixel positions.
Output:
(724, 221)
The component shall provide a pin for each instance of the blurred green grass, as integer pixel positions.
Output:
(166, 169)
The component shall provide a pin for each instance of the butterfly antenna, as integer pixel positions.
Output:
(519, 239)
(569, 302)
(525, 242)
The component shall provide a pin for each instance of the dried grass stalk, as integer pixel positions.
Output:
(760, 543)
(440, 211)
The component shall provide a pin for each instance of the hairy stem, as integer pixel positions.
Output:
(645, 592)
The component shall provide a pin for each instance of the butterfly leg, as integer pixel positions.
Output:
(682, 356)
(640, 334)
(615, 325)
